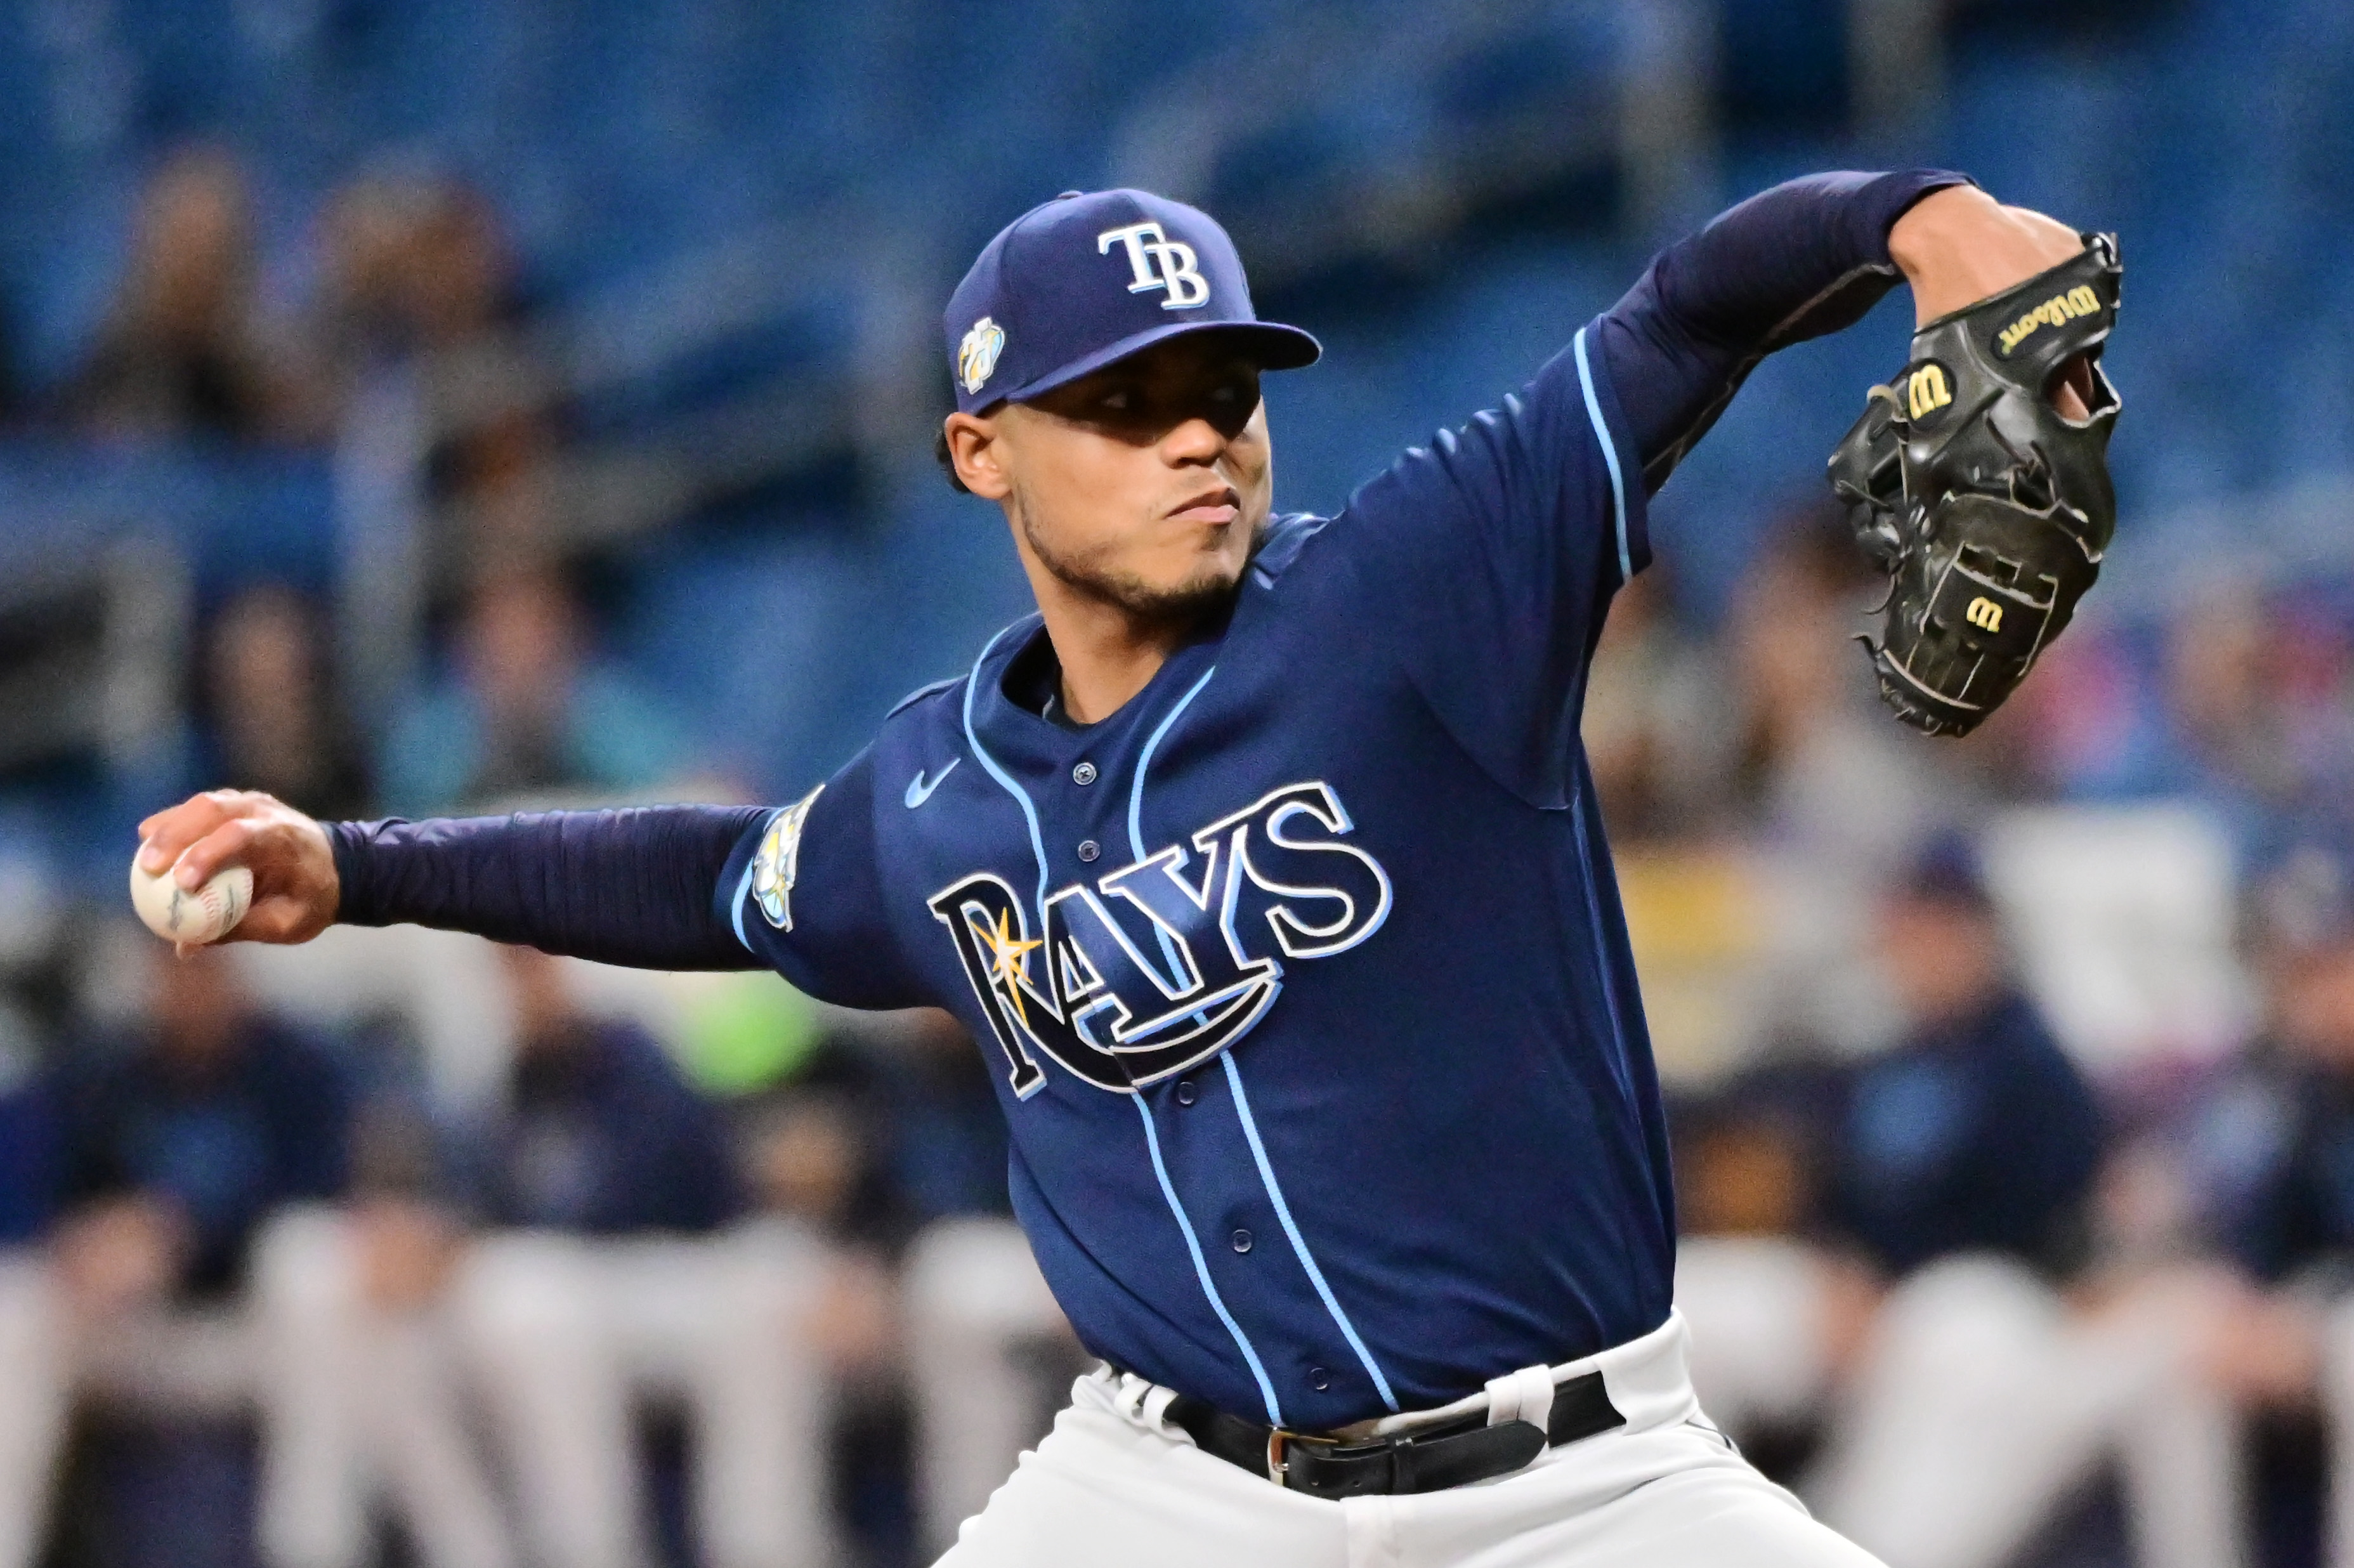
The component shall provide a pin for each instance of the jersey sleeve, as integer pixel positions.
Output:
(1485, 562)
(1807, 257)
(1488, 558)
(630, 886)
(802, 892)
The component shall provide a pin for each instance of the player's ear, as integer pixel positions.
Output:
(975, 456)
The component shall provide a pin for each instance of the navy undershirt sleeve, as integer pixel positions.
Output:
(1804, 258)
(630, 887)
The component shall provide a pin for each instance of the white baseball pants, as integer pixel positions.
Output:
(1114, 1483)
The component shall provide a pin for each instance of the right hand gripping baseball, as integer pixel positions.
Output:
(295, 890)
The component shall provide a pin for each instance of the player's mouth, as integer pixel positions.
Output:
(1210, 508)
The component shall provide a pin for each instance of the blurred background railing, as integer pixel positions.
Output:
(423, 406)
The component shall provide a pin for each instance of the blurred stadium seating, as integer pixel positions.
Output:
(732, 224)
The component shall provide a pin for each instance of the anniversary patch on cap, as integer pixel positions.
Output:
(977, 355)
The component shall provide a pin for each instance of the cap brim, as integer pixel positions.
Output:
(1271, 343)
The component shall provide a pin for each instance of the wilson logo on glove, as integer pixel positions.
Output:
(2077, 301)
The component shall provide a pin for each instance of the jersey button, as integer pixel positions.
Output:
(1084, 773)
(1184, 1091)
(1089, 848)
(1319, 1379)
(1242, 1241)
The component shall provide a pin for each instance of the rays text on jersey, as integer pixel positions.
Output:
(1269, 883)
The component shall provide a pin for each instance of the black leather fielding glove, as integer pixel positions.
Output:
(1988, 510)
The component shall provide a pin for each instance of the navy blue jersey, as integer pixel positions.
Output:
(1302, 976)
(225, 1142)
(601, 1134)
(2272, 1150)
(1977, 1135)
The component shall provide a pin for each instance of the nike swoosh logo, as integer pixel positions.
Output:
(920, 791)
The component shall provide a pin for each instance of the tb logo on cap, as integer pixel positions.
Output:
(1159, 262)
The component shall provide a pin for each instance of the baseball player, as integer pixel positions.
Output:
(1264, 864)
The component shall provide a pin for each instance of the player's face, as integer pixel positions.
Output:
(1143, 486)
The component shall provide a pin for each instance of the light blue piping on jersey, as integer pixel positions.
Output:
(1136, 810)
(1609, 456)
(1029, 811)
(1290, 1230)
(1242, 1100)
(744, 885)
(1201, 1269)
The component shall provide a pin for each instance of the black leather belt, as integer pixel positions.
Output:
(1454, 1454)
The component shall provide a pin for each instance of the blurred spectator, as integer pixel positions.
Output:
(810, 1156)
(528, 712)
(1819, 766)
(600, 1135)
(2273, 1154)
(989, 1352)
(1831, 795)
(1975, 1133)
(185, 1153)
(606, 1270)
(1656, 726)
(815, 1146)
(180, 1145)
(610, 1180)
(32, 1348)
(1953, 1178)
(28, 1133)
(2244, 703)
(275, 726)
(181, 353)
(419, 304)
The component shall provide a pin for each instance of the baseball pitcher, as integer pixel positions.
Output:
(1264, 864)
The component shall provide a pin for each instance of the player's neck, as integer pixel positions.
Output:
(1107, 654)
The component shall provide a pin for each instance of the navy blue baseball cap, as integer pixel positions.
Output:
(1090, 278)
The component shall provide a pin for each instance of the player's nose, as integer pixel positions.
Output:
(1194, 441)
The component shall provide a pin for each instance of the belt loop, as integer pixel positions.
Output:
(1523, 1396)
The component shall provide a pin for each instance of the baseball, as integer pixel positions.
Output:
(192, 919)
